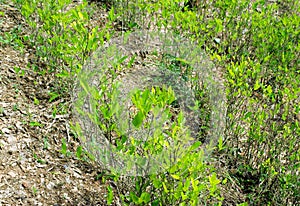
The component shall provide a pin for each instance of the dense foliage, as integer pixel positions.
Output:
(256, 46)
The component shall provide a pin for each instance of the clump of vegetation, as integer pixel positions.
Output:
(255, 45)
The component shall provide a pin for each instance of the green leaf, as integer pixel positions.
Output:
(165, 188)
(213, 179)
(157, 182)
(176, 177)
(131, 61)
(79, 152)
(63, 74)
(111, 14)
(110, 195)
(122, 59)
(195, 145)
(36, 101)
(145, 197)
(219, 26)
(80, 15)
(186, 185)
(138, 119)
(53, 95)
(35, 124)
(145, 96)
(133, 197)
(269, 89)
(247, 115)
(64, 147)
(220, 144)
(184, 196)
(256, 85)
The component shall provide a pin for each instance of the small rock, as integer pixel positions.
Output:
(5, 131)
(12, 174)
(50, 185)
(11, 139)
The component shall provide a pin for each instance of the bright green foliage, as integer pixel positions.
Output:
(256, 43)
(60, 33)
(148, 100)
(184, 178)
(187, 182)
(61, 38)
